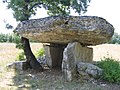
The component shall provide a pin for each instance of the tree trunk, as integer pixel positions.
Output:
(31, 60)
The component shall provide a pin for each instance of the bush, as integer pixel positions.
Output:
(21, 56)
(111, 70)
(40, 53)
(11, 38)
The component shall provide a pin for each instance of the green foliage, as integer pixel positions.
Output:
(23, 9)
(111, 70)
(3, 38)
(115, 39)
(40, 53)
(11, 38)
(21, 56)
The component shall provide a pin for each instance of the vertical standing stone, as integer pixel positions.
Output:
(54, 54)
(68, 63)
(82, 54)
(73, 54)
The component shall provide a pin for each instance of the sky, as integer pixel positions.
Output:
(108, 9)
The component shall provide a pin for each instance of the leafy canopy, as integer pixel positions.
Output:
(54, 7)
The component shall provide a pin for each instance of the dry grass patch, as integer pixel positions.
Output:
(106, 50)
(8, 52)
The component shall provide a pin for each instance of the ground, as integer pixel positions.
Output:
(50, 79)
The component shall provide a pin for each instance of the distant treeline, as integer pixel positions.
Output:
(14, 38)
(11, 38)
(115, 39)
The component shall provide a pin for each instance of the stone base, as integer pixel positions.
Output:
(73, 54)
(18, 65)
(54, 54)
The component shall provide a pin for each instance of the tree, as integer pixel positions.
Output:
(115, 39)
(24, 9)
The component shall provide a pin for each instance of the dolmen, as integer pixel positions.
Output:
(66, 38)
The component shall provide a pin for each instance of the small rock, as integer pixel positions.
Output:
(90, 69)
(42, 60)
(21, 86)
(15, 65)
(103, 85)
(18, 65)
(30, 75)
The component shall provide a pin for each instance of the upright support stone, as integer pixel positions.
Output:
(82, 53)
(74, 53)
(54, 54)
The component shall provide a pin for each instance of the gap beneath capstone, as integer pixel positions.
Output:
(54, 54)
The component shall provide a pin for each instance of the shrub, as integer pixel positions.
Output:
(111, 70)
(40, 53)
(11, 38)
(21, 56)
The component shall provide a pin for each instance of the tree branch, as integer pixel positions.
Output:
(36, 4)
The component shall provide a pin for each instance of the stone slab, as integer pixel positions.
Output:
(73, 54)
(88, 30)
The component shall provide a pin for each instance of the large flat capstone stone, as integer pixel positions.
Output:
(88, 30)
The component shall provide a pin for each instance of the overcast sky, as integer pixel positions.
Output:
(108, 9)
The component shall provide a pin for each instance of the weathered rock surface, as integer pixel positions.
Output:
(88, 30)
(42, 60)
(18, 65)
(88, 69)
(73, 54)
(68, 63)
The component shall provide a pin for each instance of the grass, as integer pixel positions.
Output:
(48, 80)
